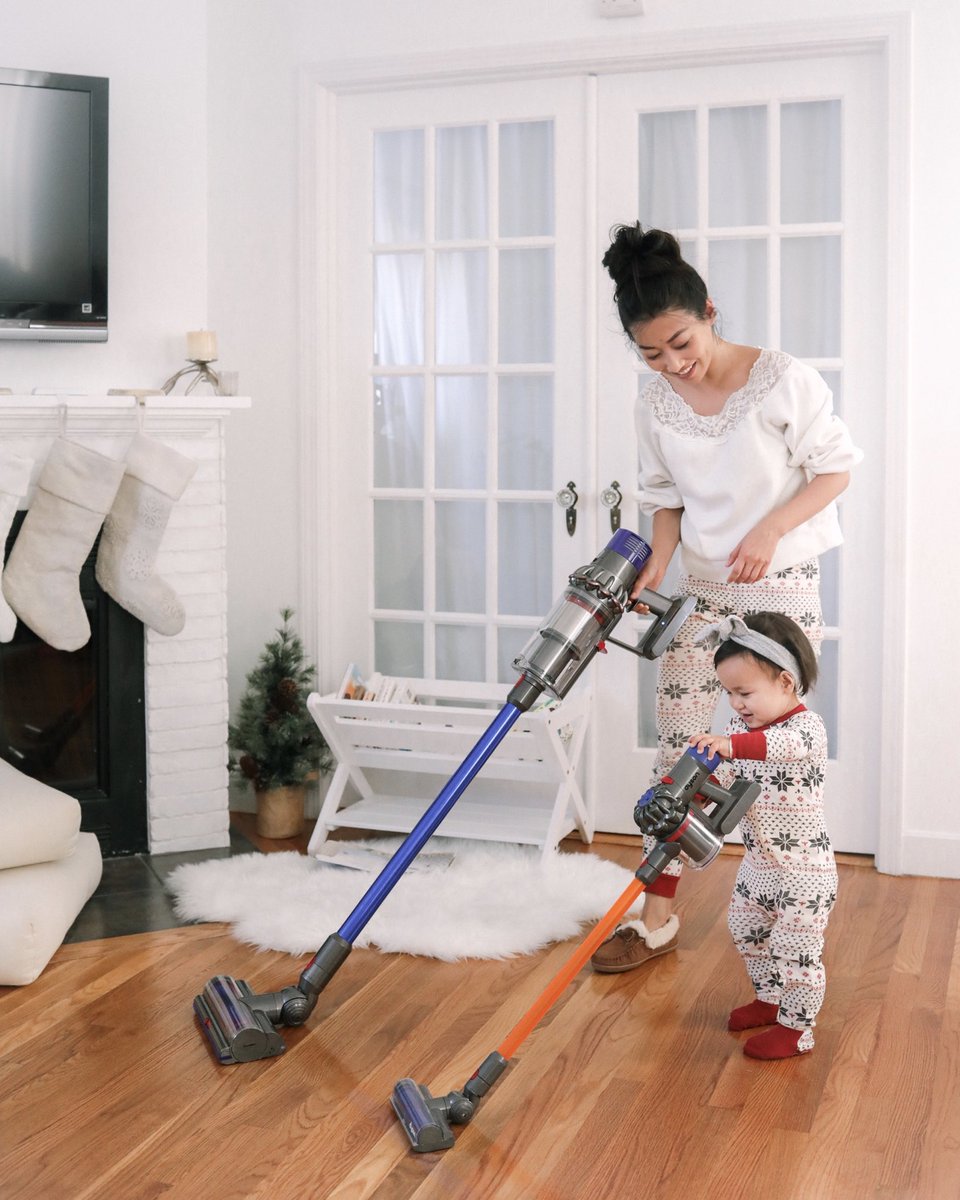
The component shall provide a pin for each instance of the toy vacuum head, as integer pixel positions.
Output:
(428, 1120)
(669, 813)
(595, 599)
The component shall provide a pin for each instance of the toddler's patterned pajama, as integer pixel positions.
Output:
(787, 882)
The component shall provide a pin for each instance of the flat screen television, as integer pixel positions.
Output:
(53, 206)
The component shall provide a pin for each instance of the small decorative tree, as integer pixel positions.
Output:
(274, 741)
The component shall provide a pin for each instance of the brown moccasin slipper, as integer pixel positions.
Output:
(633, 945)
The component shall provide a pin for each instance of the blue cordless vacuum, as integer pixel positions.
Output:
(242, 1026)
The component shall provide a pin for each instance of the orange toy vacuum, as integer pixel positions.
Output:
(668, 812)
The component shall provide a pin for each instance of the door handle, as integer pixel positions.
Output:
(611, 497)
(567, 498)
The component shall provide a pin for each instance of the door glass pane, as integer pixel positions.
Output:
(824, 697)
(398, 431)
(398, 186)
(810, 296)
(461, 306)
(810, 161)
(398, 553)
(738, 166)
(834, 381)
(738, 286)
(526, 179)
(460, 555)
(461, 183)
(461, 431)
(526, 305)
(690, 254)
(525, 429)
(398, 646)
(830, 585)
(646, 702)
(510, 642)
(460, 652)
(398, 309)
(525, 558)
(668, 186)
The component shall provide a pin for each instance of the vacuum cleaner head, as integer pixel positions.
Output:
(427, 1120)
(423, 1117)
(236, 1031)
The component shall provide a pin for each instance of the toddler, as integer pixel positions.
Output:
(787, 881)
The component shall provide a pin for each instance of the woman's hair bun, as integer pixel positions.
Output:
(651, 276)
(636, 254)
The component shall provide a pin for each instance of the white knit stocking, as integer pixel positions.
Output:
(154, 479)
(14, 481)
(41, 580)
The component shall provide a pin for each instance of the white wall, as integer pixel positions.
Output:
(154, 54)
(205, 232)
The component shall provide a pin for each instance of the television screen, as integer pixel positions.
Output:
(53, 206)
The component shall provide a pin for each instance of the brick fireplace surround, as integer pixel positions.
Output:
(186, 675)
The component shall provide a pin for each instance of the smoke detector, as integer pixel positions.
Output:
(620, 8)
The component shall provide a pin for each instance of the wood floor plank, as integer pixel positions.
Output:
(632, 1085)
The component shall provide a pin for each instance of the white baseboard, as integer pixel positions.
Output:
(927, 853)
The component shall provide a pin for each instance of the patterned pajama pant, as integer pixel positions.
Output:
(688, 690)
(777, 918)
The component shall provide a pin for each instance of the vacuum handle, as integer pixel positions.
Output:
(657, 603)
(730, 804)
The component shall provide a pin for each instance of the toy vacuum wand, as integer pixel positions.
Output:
(239, 1024)
(681, 829)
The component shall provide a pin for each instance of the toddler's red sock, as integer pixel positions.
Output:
(752, 1015)
(778, 1042)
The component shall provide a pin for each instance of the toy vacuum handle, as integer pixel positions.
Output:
(730, 804)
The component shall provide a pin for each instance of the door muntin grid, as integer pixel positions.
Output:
(463, 266)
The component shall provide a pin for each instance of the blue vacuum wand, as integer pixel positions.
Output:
(241, 1025)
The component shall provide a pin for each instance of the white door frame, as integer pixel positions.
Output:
(321, 85)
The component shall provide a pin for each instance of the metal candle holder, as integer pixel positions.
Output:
(198, 367)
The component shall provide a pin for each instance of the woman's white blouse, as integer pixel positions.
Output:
(730, 470)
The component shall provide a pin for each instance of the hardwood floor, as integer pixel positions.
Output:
(630, 1087)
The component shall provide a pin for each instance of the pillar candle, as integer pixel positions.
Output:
(202, 345)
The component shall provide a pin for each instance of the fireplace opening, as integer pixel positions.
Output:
(75, 719)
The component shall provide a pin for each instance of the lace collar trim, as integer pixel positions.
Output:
(674, 412)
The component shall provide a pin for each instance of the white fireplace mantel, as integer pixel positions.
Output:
(186, 675)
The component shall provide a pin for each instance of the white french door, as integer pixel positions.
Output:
(771, 178)
(480, 366)
(462, 361)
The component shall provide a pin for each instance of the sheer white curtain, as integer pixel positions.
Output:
(448, 418)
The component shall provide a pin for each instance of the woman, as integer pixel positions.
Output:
(741, 461)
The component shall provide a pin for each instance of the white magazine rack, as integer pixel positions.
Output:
(394, 759)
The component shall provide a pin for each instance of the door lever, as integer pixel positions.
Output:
(567, 498)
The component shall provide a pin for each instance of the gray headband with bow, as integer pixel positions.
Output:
(735, 629)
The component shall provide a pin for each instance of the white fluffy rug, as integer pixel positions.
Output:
(493, 900)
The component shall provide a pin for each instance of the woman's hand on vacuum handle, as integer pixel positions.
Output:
(651, 576)
(665, 539)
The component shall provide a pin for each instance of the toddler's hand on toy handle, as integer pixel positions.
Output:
(715, 743)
